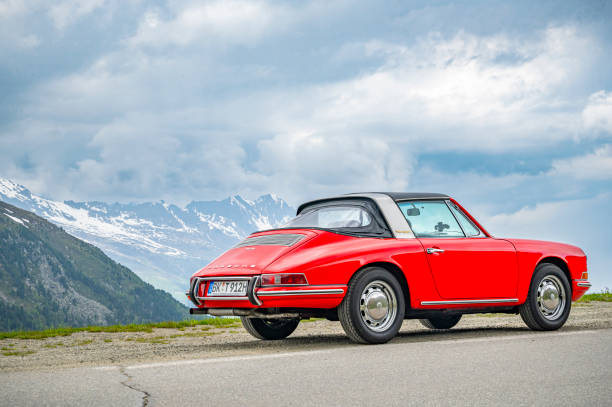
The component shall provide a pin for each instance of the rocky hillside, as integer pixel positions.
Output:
(49, 278)
(164, 244)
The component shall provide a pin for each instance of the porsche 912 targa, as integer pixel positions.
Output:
(371, 260)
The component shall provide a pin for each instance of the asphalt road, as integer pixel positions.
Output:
(527, 368)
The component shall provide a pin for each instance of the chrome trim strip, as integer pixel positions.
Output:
(223, 298)
(253, 283)
(193, 292)
(224, 278)
(487, 301)
(584, 284)
(327, 291)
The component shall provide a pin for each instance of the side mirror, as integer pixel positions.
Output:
(413, 212)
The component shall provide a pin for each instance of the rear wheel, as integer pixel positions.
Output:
(270, 329)
(445, 322)
(549, 299)
(373, 309)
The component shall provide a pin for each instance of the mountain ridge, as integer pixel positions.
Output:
(161, 242)
(49, 278)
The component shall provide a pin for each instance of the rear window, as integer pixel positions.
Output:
(332, 217)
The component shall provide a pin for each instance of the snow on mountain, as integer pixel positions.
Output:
(162, 243)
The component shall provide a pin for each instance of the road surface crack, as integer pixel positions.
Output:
(128, 378)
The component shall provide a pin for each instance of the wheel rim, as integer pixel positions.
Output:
(551, 298)
(378, 306)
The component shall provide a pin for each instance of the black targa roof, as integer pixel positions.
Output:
(396, 196)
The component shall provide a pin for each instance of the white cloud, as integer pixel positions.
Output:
(468, 92)
(597, 114)
(67, 12)
(594, 166)
(219, 21)
(464, 92)
(29, 41)
(308, 165)
(9, 8)
(584, 222)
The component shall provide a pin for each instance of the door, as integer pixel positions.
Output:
(464, 262)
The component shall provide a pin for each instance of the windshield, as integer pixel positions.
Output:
(332, 217)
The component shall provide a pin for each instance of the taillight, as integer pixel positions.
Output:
(584, 276)
(283, 279)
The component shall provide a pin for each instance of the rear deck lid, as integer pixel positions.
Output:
(254, 253)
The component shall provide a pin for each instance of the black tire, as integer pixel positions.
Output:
(270, 329)
(379, 286)
(444, 322)
(534, 312)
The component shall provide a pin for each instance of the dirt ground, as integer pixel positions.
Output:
(102, 349)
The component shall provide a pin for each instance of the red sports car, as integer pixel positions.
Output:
(371, 260)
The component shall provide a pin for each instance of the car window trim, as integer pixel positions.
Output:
(465, 235)
(449, 209)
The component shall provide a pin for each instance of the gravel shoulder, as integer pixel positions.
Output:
(104, 349)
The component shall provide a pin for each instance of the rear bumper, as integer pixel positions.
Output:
(579, 287)
(307, 296)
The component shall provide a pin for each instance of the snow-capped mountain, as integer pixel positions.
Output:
(162, 243)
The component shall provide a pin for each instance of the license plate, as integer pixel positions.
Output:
(227, 288)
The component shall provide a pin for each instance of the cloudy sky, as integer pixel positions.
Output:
(507, 106)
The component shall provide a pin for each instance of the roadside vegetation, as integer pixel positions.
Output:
(605, 295)
(180, 325)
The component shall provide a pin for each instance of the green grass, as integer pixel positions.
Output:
(605, 296)
(313, 320)
(18, 353)
(156, 339)
(181, 325)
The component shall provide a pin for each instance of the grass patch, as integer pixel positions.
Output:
(180, 325)
(107, 340)
(156, 339)
(18, 353)
(605, 296)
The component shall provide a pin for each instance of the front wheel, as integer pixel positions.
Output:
(549, 299)
(270, 329)
(446, 322)
(373, 309)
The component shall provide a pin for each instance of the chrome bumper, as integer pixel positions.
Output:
(253, 295)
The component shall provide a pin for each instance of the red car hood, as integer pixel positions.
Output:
(250, 260)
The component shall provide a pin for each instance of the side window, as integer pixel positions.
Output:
(431, 219)
(470, 229)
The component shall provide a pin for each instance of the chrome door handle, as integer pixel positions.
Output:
(433, 250)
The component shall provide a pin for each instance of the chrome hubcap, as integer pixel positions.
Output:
(551, 298)
(378, 306)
